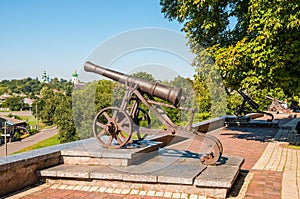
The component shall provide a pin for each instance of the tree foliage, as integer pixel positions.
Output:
(30, 86)
(254, 43)
(63, 118)
(84, 109)
(14, 103)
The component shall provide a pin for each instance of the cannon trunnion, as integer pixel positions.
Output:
(113, 127)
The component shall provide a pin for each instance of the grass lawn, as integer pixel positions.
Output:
(31, 121)
(45, 143)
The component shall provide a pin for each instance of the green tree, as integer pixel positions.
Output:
(104, 93)
(84, 109)
(260, 53)
(63, 118)
(49, 108)
(14, 103)
(144, 75)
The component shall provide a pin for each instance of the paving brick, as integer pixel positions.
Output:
(143, 193)
(70, 187)
(134, 191)
(78, 187)
(94, 188)
(55, 186)
(159, 194)
(194, 196)
(63, 186)
(168, 194)
(101, 189)
(86, 188)
(125, 191)
(109, 190)
(176, 195)
(184, 195)
(117, 191)
(151, 193)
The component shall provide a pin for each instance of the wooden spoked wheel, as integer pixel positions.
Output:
(112, 127)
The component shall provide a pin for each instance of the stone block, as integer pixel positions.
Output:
(105, 173)
(232, 161)
(73, 171)
(139, 177)
(179, 173)
(217, 177)
(210, 125)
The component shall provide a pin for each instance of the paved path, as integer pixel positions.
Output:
(271, 170)
(19, 113)
(29, 141)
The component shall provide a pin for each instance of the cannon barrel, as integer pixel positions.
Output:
(168, 93)
(249, 100)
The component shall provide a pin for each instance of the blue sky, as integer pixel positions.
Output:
(59, 35)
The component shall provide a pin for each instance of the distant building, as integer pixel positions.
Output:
(75, 80)
(12, 126)
(45, 77)
(4, 97)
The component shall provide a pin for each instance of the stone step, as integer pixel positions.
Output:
(163, 172)
(169, 170)
(91, 152)
(146, 164)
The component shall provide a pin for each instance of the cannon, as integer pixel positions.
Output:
(113, 126)
(242, 110)
(278, 106)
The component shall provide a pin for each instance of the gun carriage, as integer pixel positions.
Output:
(113, 126)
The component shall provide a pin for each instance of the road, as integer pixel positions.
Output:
(19, 113)
(18, 145)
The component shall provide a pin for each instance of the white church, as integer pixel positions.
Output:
(75, 80)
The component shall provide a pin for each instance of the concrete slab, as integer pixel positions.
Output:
(179, 173)
(92, 153)
(209, 125)
(73, 171)
(223, 177)
(105, 173)
(232, 161)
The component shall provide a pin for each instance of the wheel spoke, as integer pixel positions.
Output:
(123, 121)
(125, 129)
(101, 125)
(123, 136)
(109, 141)
(119, 140)
(107, 116)
(114, 114)
(101, 133)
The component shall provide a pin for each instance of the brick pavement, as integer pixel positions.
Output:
(248, 143)
(264, 184)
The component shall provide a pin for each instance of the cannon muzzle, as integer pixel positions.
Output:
(168, 93)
